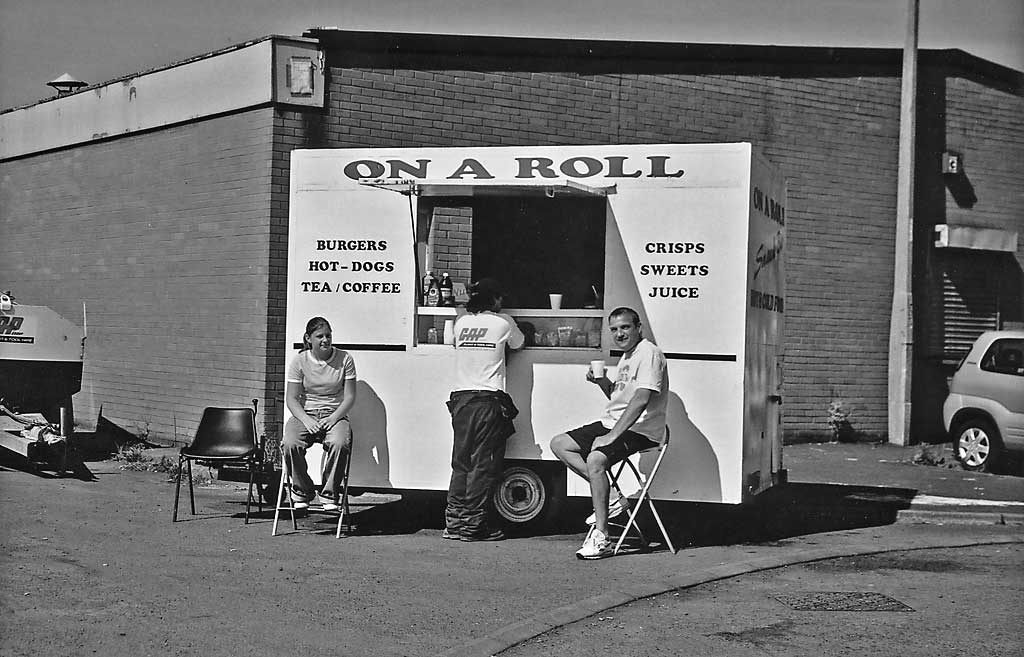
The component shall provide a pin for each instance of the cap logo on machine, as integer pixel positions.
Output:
(11, 325)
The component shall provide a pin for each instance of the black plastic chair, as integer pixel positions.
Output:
(225, 436)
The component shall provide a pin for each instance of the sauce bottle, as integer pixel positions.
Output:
(427, 281)
(433, 296)
(447, 294)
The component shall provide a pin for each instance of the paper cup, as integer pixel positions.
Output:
(556, 301)
(597, 368)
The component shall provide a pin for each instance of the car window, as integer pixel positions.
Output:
(1005, 357)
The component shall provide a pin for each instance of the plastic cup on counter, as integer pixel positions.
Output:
(556, 301)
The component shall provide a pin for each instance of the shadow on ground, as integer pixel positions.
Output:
(407, 513)
(82, 447)
(786, 511)
(75, 467)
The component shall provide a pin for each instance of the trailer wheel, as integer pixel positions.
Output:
(523, 495)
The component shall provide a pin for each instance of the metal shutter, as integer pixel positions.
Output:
(970, 300)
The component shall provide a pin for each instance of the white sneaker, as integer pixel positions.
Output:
(299, 505)
(616, 508)
(331, 505)
(596, 546)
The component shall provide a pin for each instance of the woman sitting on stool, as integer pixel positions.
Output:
(320, 388)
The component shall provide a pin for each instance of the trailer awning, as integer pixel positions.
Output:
(550, 187)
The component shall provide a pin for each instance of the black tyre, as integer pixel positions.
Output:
(526, 496)
(977, 445)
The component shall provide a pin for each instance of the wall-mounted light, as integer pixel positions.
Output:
(952, 163)
(300, 76)
(66, 84)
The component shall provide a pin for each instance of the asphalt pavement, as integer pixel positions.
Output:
(915, 603)
(876, 599)
(939, 489)
(93, 565)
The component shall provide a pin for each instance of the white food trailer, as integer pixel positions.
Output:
(691, 236)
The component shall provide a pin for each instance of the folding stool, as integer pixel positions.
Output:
(284, 492)
(644, 495)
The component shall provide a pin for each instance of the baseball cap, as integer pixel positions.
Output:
(490, 285)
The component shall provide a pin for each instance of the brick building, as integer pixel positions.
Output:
(160, 199)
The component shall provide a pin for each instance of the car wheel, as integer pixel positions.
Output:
(976, 445)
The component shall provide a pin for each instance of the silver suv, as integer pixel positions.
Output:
(984, 412)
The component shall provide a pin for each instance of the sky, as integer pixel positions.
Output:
(102, 40)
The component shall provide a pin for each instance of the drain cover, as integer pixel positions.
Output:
(842, 601)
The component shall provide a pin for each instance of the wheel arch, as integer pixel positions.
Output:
(965, 415)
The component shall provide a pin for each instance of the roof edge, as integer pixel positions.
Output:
(183, 62)
(510, 46)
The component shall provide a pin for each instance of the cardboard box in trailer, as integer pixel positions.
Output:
(690, 236)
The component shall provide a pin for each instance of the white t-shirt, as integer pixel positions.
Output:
(480, 341)
(323, 382)
(645, 368)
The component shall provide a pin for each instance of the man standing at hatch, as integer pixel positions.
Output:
(634, 420)
(481, 413)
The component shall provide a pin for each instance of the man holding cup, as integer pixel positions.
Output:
(634, 420)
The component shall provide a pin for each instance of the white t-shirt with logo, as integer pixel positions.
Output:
(480, 341)
(644, 368)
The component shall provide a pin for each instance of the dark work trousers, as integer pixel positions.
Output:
(478, 452)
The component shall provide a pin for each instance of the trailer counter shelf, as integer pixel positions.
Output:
(576, 328)
(691, 236)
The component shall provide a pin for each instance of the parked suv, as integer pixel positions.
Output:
(984, 412)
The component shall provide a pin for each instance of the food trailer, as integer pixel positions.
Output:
(692, 236)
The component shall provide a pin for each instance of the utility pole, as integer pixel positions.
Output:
(901, 327)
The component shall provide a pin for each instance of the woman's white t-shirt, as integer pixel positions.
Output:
(323, 381)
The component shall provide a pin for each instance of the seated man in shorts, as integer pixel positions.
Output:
(634, 420)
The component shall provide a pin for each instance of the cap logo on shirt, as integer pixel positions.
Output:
(471, 334)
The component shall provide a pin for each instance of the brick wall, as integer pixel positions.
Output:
(177, 238)
(292, 129)
(834, 138)
(983, 123)
(165, 237)
(449, 246)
